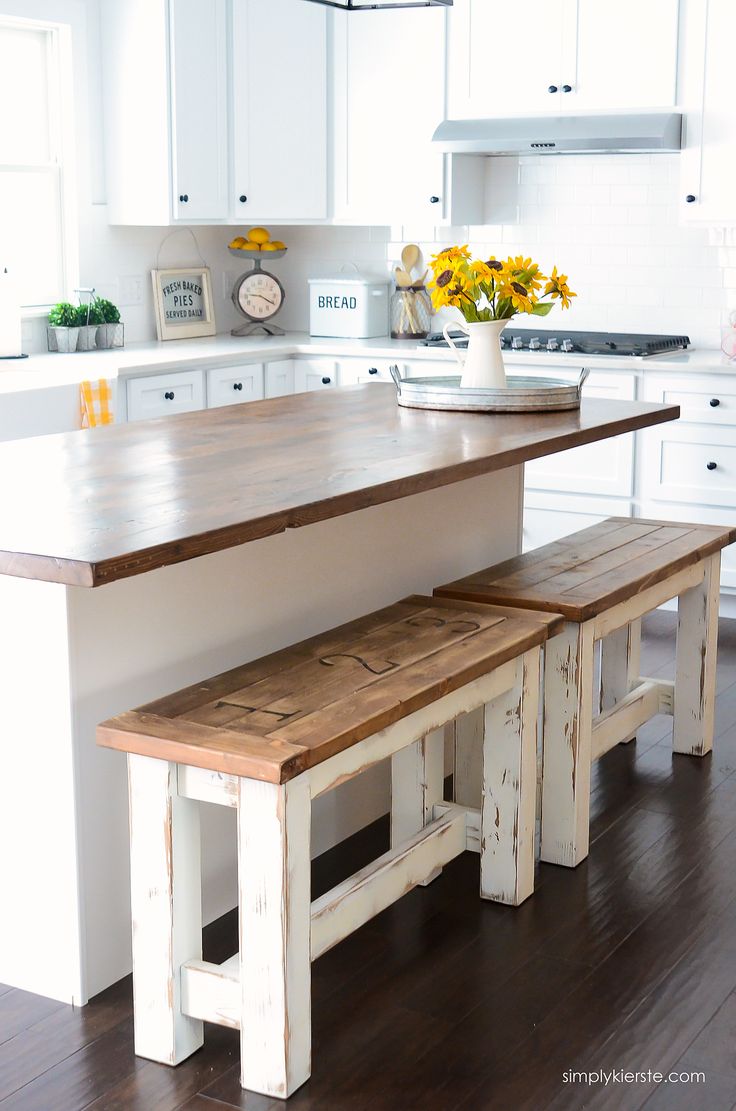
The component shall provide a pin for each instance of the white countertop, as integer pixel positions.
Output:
(52, 370)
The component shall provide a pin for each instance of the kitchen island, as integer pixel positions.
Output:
(162, 515)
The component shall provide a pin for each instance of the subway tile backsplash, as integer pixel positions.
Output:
(611, 222)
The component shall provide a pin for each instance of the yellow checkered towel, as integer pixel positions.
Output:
(96, 399)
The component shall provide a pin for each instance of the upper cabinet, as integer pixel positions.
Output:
(708, 160)
(389, 96)
(215, 110)
(563, 55)
(199, 118)
(279, 110)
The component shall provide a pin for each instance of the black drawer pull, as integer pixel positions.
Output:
(169, 395)
(715, 402)
(691, 198)
(242, 198)
(183, 197)
(326, 381)
(711, 466)
(552, 89)
(567, 88)
(373, 370)
(434, 200)
(237, 385)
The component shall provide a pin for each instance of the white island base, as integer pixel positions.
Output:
(71, 657)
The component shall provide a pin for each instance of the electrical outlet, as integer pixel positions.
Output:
(131, 290)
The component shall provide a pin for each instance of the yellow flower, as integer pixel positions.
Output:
(526, 271)
(448, 288)
(557, 287)
(481, 271)
(519, 296)
(449, 254)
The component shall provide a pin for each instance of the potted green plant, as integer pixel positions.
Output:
(63, 327)
(109, 331)
(88, 318)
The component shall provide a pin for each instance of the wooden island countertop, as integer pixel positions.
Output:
(89, 508)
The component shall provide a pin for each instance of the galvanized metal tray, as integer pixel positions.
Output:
(523, 394)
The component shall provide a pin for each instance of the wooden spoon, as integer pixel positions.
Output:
(410, 257)
(403, 279)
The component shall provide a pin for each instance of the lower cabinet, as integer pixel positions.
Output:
(161, 395)
(279, 377)
(232, 385)
(314, 374)
(549, 517)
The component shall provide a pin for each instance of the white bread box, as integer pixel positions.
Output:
(349, 306)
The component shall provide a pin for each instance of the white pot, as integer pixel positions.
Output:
(482, 364)
(64, 339)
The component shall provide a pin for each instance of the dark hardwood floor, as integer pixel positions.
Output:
(446, 1003)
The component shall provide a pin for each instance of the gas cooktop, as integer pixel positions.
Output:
(583, 343)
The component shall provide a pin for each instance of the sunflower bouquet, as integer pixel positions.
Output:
(493, 289)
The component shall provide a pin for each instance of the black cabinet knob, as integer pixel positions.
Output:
(552, 89)
(183, 197)
(169, 395)
(373, 370)
(434, 200)
(326, 381)
(242, 198)
(690, 198)
(715, 402)
(237, 385)
(711, 466)
(567, 88)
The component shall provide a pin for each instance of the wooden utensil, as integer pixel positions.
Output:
(410, 257)
(403, 278)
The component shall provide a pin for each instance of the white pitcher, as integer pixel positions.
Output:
(482, 367)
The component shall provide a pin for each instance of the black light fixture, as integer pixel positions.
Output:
(367, 6)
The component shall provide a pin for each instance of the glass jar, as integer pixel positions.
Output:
(411, 312)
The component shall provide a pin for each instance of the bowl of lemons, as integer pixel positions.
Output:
(257, 244)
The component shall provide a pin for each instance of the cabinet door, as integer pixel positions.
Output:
(353, 372)
(162, 395)
(198, 38)
(626, 55)
(507, 66)
(314, 374)
(693, 463)
(230, 385)
(549, 517)
(709, 158)
(280, 378)
(605, 467)
(279, 110)
(389, 97)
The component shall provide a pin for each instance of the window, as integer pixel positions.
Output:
(33, 186)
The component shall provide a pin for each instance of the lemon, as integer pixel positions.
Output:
(278, 245)
(258, 235)
(239, 242)
(270, 247)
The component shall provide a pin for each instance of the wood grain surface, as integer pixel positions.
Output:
(89, 508)
(273, 718)
(589, 571)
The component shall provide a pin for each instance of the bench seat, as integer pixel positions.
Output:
(269, 737)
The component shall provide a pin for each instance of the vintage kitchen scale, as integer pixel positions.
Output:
(258, 295)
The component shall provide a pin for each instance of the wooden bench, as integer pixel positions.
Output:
(603, 580)
(269, 737)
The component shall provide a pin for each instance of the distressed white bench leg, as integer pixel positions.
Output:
(417, 783)
(165, 877)
(620, 665)
(508, 807)
(467, 772)
(695, 680)
(275, 948)
(568, 710)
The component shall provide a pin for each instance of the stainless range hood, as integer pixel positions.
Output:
(642, 132)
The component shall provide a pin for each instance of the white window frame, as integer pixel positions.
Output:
(62, 165)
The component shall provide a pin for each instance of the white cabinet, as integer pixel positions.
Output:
(162, 395)
(708, 160)
(231, 385)
(198, 79)
(574, 54)
(549, 517)
(352, 372)
(314, 374)
(280, 378)
(279, 50)
(606, 467)
(389, 96)
(210, 101)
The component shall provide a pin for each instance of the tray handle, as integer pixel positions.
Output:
(582, 379)
(396, 375)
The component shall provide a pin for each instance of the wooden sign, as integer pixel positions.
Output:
(183, 301)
